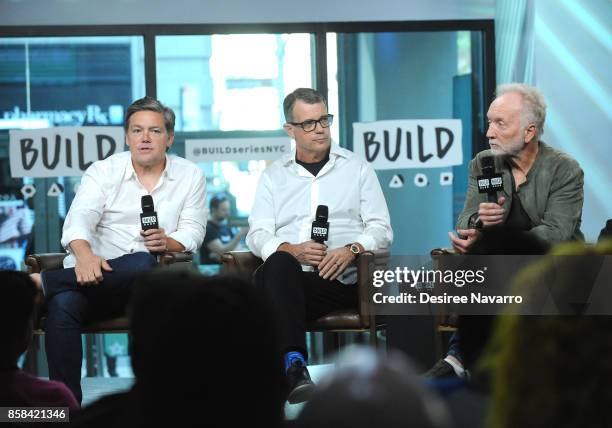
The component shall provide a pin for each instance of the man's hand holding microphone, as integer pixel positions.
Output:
(330, 264)
(489, 213)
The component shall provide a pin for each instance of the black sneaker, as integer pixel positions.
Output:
(299, 383)
(440, 369)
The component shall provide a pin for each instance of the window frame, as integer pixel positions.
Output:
(318, 29)
(319, 50)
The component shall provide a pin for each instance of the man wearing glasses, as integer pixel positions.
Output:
(305, 279)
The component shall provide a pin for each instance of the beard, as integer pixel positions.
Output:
(509, 149)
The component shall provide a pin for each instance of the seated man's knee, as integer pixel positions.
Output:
(282, 260)
(71, 305)
(142, 261)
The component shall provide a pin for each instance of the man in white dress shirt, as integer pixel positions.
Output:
(317, 172)
(102, 232)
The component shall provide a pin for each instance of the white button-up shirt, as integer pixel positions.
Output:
(106, 209)
(287, 197)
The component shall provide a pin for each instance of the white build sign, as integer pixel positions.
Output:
(398, 144)
(62, 151)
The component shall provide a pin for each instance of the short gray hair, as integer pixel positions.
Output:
(151, 104)
(307, 95)
(534, 107)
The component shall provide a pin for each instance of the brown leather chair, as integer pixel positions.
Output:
(49, 261)
(445, 323)
(359, 319)
(37, 263)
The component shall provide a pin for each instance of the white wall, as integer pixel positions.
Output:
(103, 12)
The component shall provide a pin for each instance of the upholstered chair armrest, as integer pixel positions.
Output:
(36, 263)
(367, 263)
(442, 252)
(240, 262)
(171, 257)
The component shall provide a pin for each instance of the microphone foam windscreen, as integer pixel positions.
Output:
(322, 213)
(147, 203)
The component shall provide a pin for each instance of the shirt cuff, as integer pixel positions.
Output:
(184, 238)
(73, 235)
(270, 247)
(367, 242)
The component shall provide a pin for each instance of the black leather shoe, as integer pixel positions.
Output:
(300, 385)
(440, 369)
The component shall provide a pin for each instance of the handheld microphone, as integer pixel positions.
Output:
(320, 227)
(148, 217)
(490, 181)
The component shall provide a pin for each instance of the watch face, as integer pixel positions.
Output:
(355, 249)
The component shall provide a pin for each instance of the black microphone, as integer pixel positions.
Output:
(148, 217)
(320, 227)
(490, 181)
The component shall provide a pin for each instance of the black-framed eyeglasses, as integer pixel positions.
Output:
(310, 125)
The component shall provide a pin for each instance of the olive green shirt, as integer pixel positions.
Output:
(552, 195)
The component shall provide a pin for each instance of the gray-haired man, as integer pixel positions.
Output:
(543, 187)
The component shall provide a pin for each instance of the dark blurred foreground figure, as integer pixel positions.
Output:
(229, 368)
(370, 391)
(556, 370)
(606, 232)
(17, 388)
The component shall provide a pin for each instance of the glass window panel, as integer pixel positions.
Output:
(231, 82)
(58, 81)
(231, 86)
(411, 75)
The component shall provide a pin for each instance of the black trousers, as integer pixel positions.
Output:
(299, 298)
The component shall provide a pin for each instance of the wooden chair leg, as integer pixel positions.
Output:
(30, 364)
(373, 336)
(336, 341)
(99, 354)
(90, 362)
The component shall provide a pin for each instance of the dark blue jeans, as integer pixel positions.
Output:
(70, 305)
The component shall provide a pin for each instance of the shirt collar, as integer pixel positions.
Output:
(335, 151)
(169, 170)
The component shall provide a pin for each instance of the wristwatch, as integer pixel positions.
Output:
(354, 248)
(474, 222)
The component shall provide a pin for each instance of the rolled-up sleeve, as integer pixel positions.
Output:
(261, 239)
(377, 232)
(472, 198)
(191, 226)
(86, 209)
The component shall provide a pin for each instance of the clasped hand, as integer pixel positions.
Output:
(331, 263)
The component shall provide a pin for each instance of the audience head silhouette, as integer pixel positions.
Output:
(17, 294)
(368, 390)
(207, 345)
